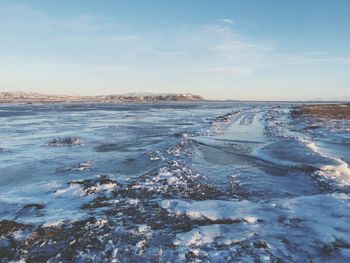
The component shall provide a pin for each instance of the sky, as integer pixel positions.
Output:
(220, 49)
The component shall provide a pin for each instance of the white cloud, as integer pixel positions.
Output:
(100, 39)
(227, 21)
(222, 49)
(235, 71)
(302, 59)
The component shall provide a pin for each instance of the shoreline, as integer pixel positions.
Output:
(301, 104)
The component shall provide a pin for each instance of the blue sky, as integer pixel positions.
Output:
(249, 49)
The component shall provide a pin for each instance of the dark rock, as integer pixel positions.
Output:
(34, 206)
(190, 255)
(90, 184)
(30, 209)
(261, 244)
(66, 141)
(78, 167)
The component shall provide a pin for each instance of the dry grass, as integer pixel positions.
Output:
(334, 111)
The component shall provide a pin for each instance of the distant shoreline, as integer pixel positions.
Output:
(31, 97)
(89, 101)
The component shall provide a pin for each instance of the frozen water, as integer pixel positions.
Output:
(172, 182)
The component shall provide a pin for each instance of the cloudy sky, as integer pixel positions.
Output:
(221, 49)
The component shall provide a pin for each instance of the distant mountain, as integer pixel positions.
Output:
(33, 97)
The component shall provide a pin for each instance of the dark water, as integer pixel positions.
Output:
(176, 182)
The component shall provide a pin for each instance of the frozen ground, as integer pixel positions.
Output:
(175, 182)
